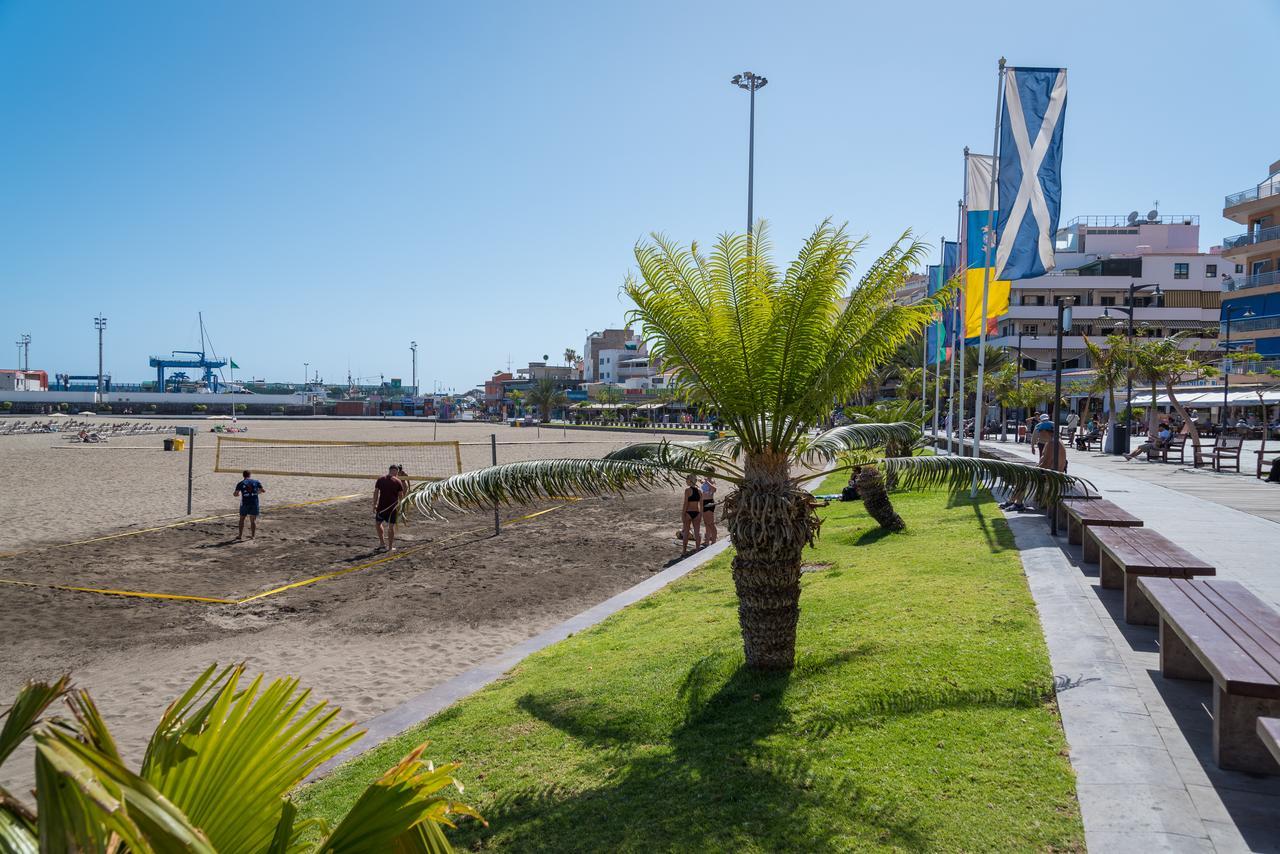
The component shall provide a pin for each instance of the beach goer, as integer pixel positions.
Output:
(1042, 432)
(386, 500)
(691, 515)
(708, 487)
(248, 490)
(1073, 422)
(1158, 442)
(1091, 432)
(1048, 460)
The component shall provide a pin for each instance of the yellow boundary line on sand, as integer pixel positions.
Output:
(211, 600)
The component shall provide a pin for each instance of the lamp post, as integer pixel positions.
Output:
(750, 81)
(100, 323)
(1227, 314)
(1122, 447)
(1064, 325)
(24, 347)
(1017, 383)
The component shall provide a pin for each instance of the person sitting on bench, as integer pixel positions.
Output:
(1048, 460)
(1090, 434)
(1158, 443)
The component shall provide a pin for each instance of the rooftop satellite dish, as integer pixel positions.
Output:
(1153, 215)
(1132, 217)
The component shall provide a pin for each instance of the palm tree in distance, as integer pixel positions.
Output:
(570, 355)
(547, 396)
(769, 349)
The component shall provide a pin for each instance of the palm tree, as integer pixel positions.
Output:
(517, 400)
(1160, 361)
(547, 396)
(770, 350)
(215, 777)
(1111, 366)
(570, 355)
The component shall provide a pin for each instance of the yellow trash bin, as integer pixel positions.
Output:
(179, 444)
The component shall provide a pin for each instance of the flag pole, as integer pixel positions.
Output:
(957, 318)
(937, 363)
(924, 363)
(988, 241)
(962, 335)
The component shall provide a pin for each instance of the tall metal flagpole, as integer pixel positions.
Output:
(962, 336)
(988, 242)
(937, 370)
(956, 320)
(924, 368)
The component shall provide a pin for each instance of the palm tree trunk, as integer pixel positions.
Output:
(1192, 430)
(770, 520)
(875, 498)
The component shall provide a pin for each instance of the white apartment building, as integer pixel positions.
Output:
(603, 351)
(1098, 259)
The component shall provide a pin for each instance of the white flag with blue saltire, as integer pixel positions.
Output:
(1030, 182)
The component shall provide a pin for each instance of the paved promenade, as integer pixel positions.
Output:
(1141, 745)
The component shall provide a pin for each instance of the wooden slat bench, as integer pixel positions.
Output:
(1082, 514)
(1177, 446)
(1219, 631)
(1227, 452)
(1269, 732)
(1127, 554)
(1059, 507)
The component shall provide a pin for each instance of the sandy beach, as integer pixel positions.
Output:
(366, 640)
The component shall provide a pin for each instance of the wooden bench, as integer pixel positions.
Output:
(1127, 554)
(1227, 450)
(1177, 445)
(1265, 460)
(1269, 732)
(1219, 631)
(1090, 443)
(1058, 508)
(1082, 514)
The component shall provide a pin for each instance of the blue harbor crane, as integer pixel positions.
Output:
(208, 366)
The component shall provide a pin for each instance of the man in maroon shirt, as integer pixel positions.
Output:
(386, 498)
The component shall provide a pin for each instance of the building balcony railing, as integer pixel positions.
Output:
(1240, 283)
(1259, 324)
(1261, 235)
(1120, 221)
(1271, 188)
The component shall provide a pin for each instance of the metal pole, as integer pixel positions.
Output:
(937, 369)
(493, 450)
(191, 462)
(1128, 375)
(961, 330)
(100, 323)
(751, 160)
(924, 373)
(988, 241)
(1057, 397)
(1226, 373)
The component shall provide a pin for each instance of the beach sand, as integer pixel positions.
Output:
(366, 640)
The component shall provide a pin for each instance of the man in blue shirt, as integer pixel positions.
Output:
(248, 490)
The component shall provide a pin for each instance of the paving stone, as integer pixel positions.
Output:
(1124, 842)
(1138, 809)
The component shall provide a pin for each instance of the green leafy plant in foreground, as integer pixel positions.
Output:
(215, 777)
(768, 350)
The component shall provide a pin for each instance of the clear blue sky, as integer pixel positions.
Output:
(327, 180)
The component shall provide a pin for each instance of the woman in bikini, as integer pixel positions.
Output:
(708, 488)
(690, 516)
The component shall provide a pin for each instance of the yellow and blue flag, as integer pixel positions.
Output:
(977, 226)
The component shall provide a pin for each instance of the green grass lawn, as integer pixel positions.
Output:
(919, 715)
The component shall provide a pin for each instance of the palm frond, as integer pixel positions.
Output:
(686, 457)
(534, 480)
(20, 719)
(931, 472)
(853, 437)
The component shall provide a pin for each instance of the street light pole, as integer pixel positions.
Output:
(750, 81)
(1227, 312)
(100, 323)
(1064, 325)
(24, 344)
(1116, 448)
(413, 348)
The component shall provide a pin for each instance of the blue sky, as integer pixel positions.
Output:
(327, 181)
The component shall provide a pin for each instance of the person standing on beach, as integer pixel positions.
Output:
(386, 500)
(249, 489)
(691, 515)
(708, 489)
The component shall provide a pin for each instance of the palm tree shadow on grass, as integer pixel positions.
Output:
(713, 781)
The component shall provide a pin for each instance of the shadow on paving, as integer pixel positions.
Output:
(716, 775)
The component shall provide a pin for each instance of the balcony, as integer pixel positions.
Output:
(1262, 191)
(1261, 280)
(1260, 324)
(1241, 241)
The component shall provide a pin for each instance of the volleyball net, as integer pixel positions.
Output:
(321, 458)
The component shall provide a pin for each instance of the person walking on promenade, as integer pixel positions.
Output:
(387, 491)
(248, 490)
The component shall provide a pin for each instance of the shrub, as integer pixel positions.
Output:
(241, 407)
(151, 407)
(7, 405)
(200, 407)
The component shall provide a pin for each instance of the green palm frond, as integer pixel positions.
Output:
(854, 437)
(265, 738)
(20, 719)
(679, 456)
(958, 473)
(534, 480)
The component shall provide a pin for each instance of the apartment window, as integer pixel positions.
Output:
(1106, 300)
(1181, 271)
(1211, 271)
(1033, 299)
(1239, 269)
(1031, 329)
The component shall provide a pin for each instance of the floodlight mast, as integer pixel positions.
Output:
(750, 81)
